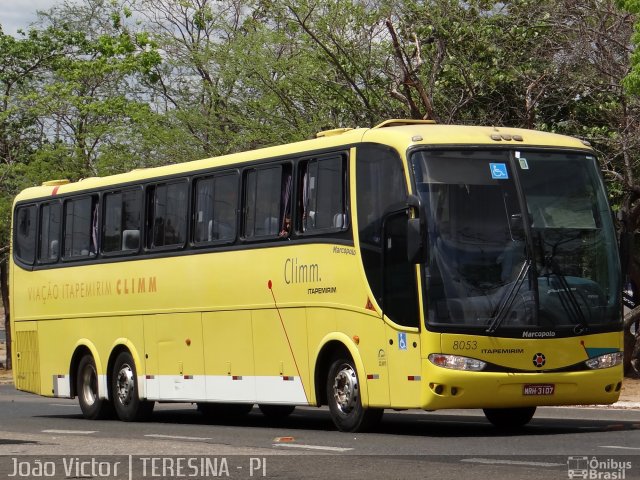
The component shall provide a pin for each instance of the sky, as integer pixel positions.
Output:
(15, 14)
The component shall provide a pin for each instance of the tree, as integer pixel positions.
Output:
(22, 62)
(88, 103)
(61, 106)
(599, 108)
(189, 89)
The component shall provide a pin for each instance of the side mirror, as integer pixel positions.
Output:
(416, 244)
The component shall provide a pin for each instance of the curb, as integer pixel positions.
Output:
(624, 404)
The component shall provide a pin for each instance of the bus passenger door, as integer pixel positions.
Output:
(400, 307)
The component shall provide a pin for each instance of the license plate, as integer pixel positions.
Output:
(538, 389)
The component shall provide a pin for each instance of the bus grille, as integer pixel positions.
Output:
(27, 367)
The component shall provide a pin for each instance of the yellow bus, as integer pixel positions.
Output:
(405, 266)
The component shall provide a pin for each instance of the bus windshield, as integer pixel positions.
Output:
(520, 243)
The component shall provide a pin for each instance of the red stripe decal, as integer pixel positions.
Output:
(284, 329)
(55, 190)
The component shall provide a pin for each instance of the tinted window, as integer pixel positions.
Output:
(167, 215)
(381, 186)
(122, 221)
(323, 194)
(25, 233)
(50, 228)
(268, 202)
(80, 227)
(216, 203)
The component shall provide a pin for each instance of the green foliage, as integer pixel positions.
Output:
(106, 85)
(632, 81)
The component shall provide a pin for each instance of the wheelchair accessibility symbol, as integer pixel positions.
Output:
(499, 171)
(402, 341)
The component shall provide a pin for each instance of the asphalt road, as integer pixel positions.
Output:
(406, 445)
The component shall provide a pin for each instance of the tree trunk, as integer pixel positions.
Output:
(4, 289)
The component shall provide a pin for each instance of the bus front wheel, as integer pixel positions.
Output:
(509, 417)
(124, 389)
(343, 396)
(93, 407)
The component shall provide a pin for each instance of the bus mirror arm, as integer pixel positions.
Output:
(416, 246)
(413, 202)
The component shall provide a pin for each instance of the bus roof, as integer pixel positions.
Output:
(399, 134)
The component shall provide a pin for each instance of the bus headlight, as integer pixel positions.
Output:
(456, 362)
(605, 361)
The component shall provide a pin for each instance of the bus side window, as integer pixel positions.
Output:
(50, 227)
(225, 210)
(203, 208)
(323, 198)
(216, 204)
(81, 227)
(267, 202)
(167, 206)
(25, 236)
(122, 221)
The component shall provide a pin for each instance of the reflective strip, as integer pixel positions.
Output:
(284, 389)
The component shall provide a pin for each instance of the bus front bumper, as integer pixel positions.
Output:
(446, 388)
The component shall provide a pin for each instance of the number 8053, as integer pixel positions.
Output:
(465, 345)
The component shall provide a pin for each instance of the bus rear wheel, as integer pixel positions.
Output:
(124, 389)
(276, 411)
(93, 407)
(343, 396)
(509, 417)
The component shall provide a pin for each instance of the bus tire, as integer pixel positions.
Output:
(276, 411)
(93, 407)
(343, 397)
(124, 389)
(509, 417)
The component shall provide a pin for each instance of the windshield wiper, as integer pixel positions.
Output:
(509, 297)
(568, 301)
(570, 304)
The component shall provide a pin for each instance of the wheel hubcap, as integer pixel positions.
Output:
(125, 384)
(345, 389)
(89, 385)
